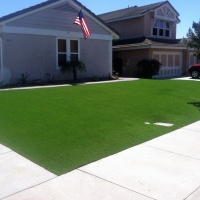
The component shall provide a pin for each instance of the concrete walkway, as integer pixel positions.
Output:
(165, 168)
(121, 79)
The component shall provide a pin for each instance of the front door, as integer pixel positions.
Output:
(117, 66)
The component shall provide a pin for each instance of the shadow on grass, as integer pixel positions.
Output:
(196, 104)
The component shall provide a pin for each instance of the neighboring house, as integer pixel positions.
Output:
(39, 39)
(148, 32)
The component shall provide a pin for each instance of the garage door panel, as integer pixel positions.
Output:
(170, 60)
(171, 63)
(164, 60)
(177, 60)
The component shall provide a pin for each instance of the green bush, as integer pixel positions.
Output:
(148, 68)
(73, 66)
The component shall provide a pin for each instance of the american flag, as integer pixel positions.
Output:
(82, 22)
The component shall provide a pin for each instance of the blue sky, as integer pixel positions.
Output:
(188, 10)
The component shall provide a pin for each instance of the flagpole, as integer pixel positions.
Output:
(70, 28)
(73, 23)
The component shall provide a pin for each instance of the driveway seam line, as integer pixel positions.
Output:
(171, 152)
(29, 187)
(115, 184)
(191, 130)
(191, 193)
(6, 152)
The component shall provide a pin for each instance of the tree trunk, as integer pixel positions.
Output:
(74, 73)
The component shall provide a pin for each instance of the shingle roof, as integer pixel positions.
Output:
(144, 41)
(48, 2)
(15, 14)
(131, 11)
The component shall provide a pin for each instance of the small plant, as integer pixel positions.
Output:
(50, 79)
(149, 68)
(113, 71)
(23, 78)
(73, 66)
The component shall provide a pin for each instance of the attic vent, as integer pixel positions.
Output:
(65, 7)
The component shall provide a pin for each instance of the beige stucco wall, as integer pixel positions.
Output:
(148, 24)
(173, 32)
(129, 28)
(36, 55)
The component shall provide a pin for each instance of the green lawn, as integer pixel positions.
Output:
(64, 128)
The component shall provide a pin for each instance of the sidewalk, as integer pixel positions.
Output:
(165, 168)
(121, 79)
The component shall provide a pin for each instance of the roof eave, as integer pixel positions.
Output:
(123, 18)
(48, 4)
(149, 46)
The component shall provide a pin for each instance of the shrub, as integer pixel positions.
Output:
(73, 66)
(23, 77)
(149, 68)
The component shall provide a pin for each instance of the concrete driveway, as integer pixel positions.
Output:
(186, 79)
(165, 168)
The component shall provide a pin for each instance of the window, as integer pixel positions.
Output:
(155, 28)
(67, 49)
(62, 52)
(161, 28)
(74, 49)
(167, 30)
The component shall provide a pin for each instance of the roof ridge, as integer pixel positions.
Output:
(30, 8)
(161, 2)
(119, 10)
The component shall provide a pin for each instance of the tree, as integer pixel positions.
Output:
(73, 66)
(193, 40)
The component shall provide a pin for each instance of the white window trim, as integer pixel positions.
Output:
(158, 28)
(68, 49)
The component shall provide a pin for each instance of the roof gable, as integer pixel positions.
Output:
(133, 12)
(42, 6)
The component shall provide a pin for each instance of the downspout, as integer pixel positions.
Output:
(1, 61)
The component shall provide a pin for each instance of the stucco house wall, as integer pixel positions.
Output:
(97, 56)
(30, 42)
(137, 27)
(173, 32)
(129, 28)
(36, 55)
(148, 24)
(132, 56)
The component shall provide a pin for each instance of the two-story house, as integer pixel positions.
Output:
(148, 32)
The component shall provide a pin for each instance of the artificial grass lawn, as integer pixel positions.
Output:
(64, 128)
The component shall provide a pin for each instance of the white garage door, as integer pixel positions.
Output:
(171, 63)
